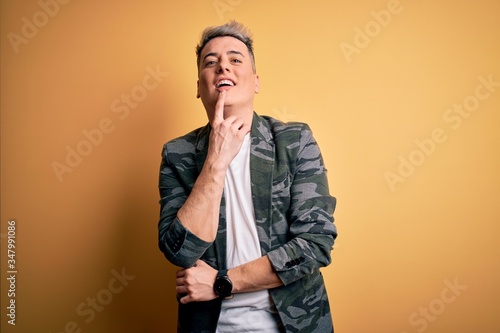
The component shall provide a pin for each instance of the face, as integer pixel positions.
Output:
(225, 64)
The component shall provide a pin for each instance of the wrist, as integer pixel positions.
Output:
(216, 166)
(223, 286)
(214, 171)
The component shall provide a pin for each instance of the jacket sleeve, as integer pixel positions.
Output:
(177, 175)
(311, 231)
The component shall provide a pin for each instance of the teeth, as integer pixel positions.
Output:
(224, 83)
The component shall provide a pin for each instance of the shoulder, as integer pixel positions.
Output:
(279, 130)
(187, 142)
(286, 142)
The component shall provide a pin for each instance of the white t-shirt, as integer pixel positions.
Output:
(254, 311)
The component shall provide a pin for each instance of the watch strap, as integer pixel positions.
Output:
(222, 272)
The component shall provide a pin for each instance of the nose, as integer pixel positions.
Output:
(223, 66)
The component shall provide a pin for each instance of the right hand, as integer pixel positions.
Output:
(227, 134)
(196, 283)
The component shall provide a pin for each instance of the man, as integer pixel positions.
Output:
(245, 206)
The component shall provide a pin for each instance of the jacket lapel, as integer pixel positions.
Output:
(261, 174)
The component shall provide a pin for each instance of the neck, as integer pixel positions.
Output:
(246, 113)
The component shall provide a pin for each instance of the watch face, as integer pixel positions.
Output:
(223, 287)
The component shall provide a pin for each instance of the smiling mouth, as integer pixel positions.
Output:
(224, 83)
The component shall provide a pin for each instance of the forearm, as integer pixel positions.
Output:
(254, 276)
(200, 212)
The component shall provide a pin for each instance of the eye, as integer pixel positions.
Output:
(236, 60)
(210, 63)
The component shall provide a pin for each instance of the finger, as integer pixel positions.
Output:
(234, 123)
(219, 108)
(185, 299)
(238, 125)
(180, 273)
(245, 129)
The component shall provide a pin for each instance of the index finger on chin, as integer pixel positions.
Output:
(219, 108)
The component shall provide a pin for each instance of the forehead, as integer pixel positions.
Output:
(224, 44)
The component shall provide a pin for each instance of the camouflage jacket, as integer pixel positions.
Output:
(293, 212)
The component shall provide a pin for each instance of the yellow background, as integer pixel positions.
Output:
(401, 244)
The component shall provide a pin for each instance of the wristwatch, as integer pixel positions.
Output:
(223, 286)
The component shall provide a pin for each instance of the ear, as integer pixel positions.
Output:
(198, 89)
(256, 84)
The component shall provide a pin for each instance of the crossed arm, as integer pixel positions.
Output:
(192, 218)
(200, 215)
(197, 282)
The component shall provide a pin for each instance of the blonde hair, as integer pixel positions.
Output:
(230, 29)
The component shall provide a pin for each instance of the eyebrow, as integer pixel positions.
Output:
(214, 54)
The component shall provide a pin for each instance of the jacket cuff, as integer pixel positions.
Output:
(288, 269)
(184, 248)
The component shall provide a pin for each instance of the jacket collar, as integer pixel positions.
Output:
(260, 133)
